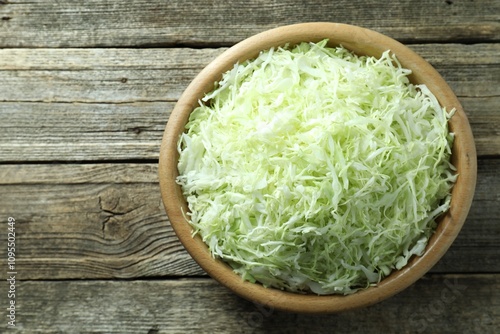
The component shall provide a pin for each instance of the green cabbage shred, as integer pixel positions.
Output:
(314, 170)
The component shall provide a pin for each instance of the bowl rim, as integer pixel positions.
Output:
(361, 41)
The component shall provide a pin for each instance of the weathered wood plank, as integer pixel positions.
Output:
(107, 132)
(112, 123)
(78, 132)
(132, 75)
(100, 173)
(457, 64)
(99, 75)
(484, 117)
(107, 221)
(437, 304)
(96, 23)
(93, 230)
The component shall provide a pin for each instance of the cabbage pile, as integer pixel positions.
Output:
(312, 169)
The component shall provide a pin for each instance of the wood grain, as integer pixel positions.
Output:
(124, 97)
(149, 75)
(38, 132)
(79, 132)
(99, 75)
(107, 221)
(93, 230)
(96, 23)
(86, 88)
(436, 303)
(133, 131)
(68, 174)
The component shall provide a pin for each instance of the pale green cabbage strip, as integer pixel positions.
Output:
(312, 169)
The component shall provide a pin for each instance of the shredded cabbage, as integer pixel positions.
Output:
(312, 169)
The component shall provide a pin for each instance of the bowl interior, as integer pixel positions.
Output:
(362, 42)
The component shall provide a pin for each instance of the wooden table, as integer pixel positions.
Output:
(86, 88)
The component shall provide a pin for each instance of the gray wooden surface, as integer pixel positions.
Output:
(86, 88)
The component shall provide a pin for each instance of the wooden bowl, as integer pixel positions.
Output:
(362, 42)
